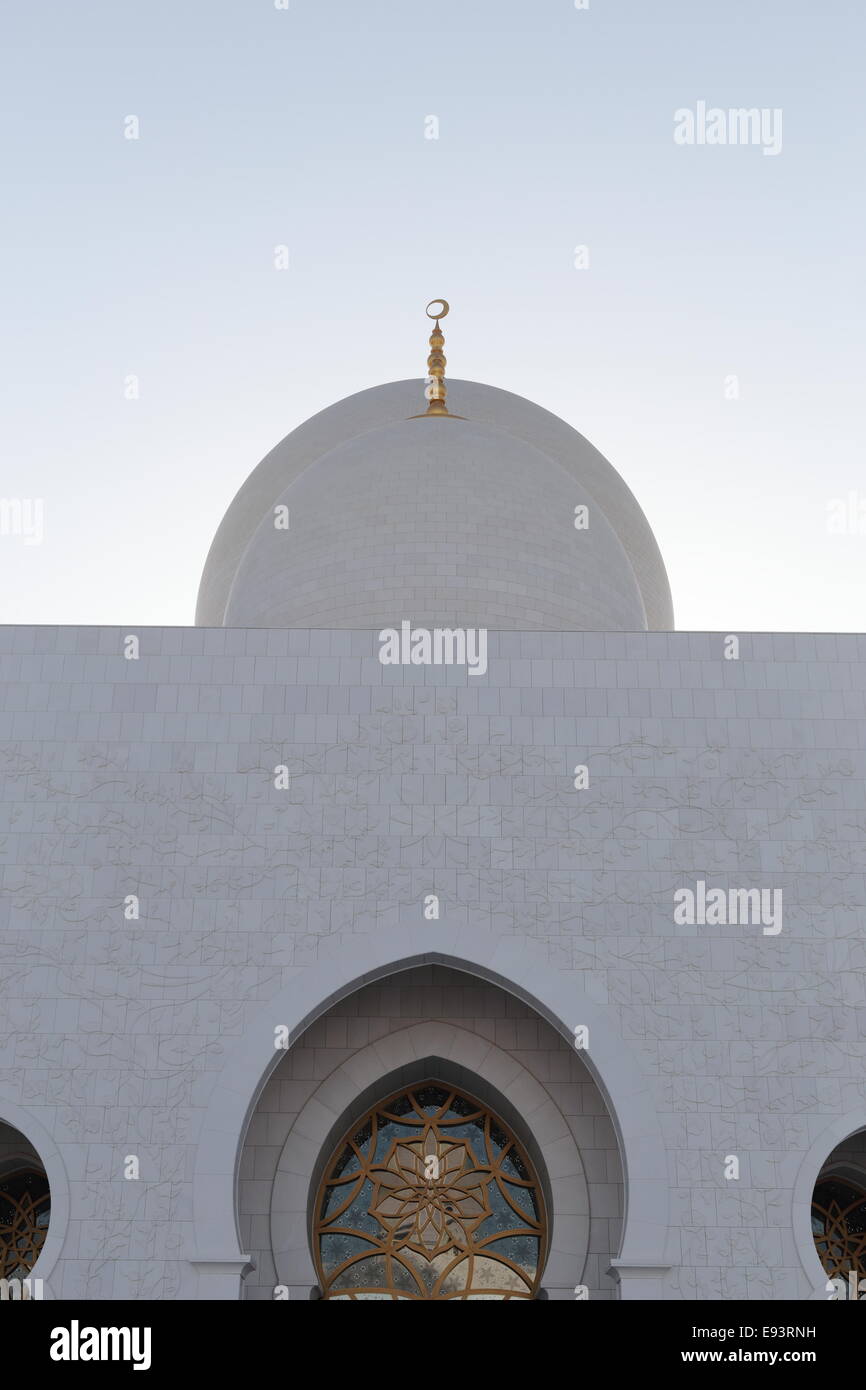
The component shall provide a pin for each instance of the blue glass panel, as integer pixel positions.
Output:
(521, 1250)
(370, 1273)
(525, 1199)
(390, 1131)
(335, 1247)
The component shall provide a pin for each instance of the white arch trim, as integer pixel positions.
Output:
(516, 965)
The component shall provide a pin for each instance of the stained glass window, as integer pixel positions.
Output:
(25, 1208)
(839, 1226)
(430, 1197)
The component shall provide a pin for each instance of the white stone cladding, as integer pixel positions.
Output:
(154, 777)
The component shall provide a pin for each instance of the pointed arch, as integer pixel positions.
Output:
(516, 966)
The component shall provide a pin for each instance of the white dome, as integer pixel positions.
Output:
(442, 522)
(538, 445)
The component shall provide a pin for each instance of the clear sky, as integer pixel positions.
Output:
(306, 127)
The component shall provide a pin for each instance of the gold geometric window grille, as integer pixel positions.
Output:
(839, 1226)
(25, 1210)
(429, 1197)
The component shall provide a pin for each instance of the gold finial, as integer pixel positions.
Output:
(434, 386)
(436, 389)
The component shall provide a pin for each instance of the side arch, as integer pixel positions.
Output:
(837, 1131)
(517, 967)
(50, 1157)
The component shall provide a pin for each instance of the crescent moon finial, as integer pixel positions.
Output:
(434, 386)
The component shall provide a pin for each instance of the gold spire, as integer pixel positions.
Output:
(436, 389)
(434, 385)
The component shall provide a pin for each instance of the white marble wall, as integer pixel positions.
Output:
(154, 777)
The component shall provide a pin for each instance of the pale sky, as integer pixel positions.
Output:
(261, 127)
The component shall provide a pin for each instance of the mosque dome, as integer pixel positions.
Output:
(464, 519)
(441, 521)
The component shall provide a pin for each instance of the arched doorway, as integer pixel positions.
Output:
(431, 1025)
(235, 1184)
